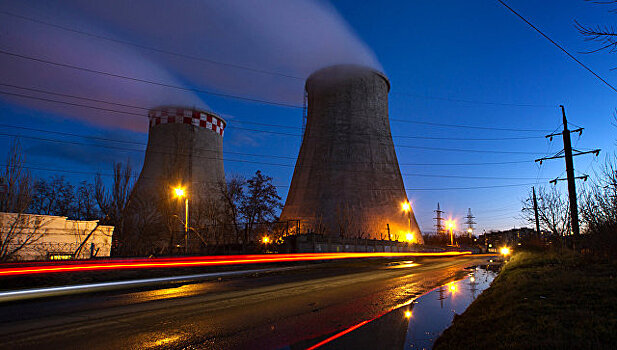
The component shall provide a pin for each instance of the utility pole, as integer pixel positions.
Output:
(567, 147)
(535, 209)
(470, 222)
(568, 155)
(438, 220)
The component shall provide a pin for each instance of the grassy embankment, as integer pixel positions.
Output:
(542, 301)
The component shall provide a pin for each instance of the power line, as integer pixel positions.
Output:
(264, 131)
(271, 125)
(230, 152)
(145, 81)
(257, 162)
(558, 46)
(466, 126)
(173, 53)
(473, 101)
(237, 66)
(374, 189)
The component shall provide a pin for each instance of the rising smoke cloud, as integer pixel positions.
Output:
(286, 37)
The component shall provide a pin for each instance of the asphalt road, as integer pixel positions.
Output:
(294, 308)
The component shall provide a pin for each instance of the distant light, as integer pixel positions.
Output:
(265, 240)
(409, 237)
(179, 191)
(490, 245)
(407, 314)
(406, 206)
(453, 288)
(505, 251)
(470, 230)
(450, 224)
(472, 279)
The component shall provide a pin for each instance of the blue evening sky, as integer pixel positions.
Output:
(470, 63)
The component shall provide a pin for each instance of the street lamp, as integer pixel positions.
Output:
(179, 192)
(406, 206)
(409, 237)
(450, 226)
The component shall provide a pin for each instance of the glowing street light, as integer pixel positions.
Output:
(179, 192)
(407, 314)
(409, 237)
(450, 225)
(505, 251)
(406, 206)
(265, 240)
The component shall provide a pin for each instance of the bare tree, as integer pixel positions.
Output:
(18, 230)
(86, 207)
(260, 203)
(553, 211)
(55, 196)
(605, 35)
(113, 203)
(233, 195)
(599, 204)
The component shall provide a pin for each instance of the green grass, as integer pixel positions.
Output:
(542, 301)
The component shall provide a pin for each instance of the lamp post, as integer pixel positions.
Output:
(179, 192)
(450, 225)
(407, 209)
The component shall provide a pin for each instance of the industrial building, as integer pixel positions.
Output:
(46, 237)
(347, 180)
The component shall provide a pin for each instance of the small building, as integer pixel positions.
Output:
(46, 237)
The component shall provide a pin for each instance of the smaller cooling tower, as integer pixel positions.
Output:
(185, 148)
(347, 179)
(186, 145)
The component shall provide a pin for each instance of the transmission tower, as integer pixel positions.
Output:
(470, 222)
(438, 220)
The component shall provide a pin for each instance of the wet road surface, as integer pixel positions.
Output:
(260, 311)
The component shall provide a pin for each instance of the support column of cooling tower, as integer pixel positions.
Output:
(347, 179)
(185, 150)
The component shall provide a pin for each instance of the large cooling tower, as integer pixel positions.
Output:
(185, 148)
(347, 179)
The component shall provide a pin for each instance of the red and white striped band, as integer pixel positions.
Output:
(186, 116)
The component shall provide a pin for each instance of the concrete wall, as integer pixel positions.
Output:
(317, 243)
(347, 173)
(57, 236)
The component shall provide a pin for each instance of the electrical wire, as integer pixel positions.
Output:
(558, 46)
(152, 150)
(242, 67)
(145, 81)
(146, 109)
(285, 186)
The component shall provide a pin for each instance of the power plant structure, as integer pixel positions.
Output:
(347, 181)
(184, 152)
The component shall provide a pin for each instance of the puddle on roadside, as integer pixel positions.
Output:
(417, 325)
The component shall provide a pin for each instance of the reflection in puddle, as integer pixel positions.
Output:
(417, 325)
(433, 312)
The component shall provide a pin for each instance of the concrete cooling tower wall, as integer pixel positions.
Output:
(185, 149)
(347, 179)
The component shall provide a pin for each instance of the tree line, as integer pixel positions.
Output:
(242, 208)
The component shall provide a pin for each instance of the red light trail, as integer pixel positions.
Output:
(219, 260)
